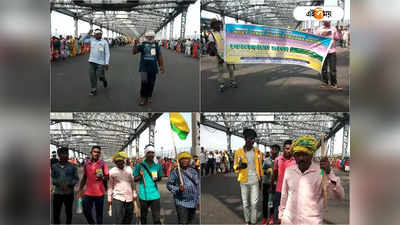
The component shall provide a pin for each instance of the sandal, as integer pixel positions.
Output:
(142, 102)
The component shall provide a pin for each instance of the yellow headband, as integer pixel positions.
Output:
(119, 156)
(184, 155)
(305, 144)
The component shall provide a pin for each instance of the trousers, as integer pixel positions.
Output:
(250, 206)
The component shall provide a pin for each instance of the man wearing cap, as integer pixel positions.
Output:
(186, 194)
(148, 173)
(98, 60)
(302, 193)
(121, 190)
(150, 55)
(248, 166)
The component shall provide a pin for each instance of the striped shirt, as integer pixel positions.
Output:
(191, 196)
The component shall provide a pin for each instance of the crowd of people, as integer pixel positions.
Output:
(288, 180)
(62, 48)
(130, 187)
(189, 47)
(215, 162)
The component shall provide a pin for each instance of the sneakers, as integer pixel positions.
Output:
(142, 101)
(265, 221)
(271, 220)
(221, 87)
(337, 87)
(93, 93)
(233, 84)
(105, 83)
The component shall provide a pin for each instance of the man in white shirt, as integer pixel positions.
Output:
(330, 61)
(121, 191)
(218, 158)
(203, 161)
(98, 60)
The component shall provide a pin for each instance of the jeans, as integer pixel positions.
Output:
(203, 168)
(266, 212)
(330, 62)
(185, 215)
(277, 203)
(96, 71)
(58, 201)
(155, 211)
(221, 72)
(122, 211)
(148, 82)
(87, 203)
(210, 168)
(250, 207)
(218, 166)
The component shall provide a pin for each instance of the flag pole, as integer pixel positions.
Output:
(323, 154)
(176, 157)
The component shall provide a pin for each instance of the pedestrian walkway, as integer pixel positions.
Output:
(275, 88)
(221, 202)
(176, 90)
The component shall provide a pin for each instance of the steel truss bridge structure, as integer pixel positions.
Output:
(112, 131)
(275, 128)
(277, 13)
(127, 17)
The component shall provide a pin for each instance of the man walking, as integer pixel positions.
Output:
(280, 164)
(121, 191)
(330, 61)
(95, 177)
(186, 194)
(216, 41)
(98, 60)
(302, 192)
(248, 164)
(203, 162)
(64, 177)
(150, 55)
(148, 173)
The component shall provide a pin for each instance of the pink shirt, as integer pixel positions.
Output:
(334, 34)
(120, 184)
(281, 164)
(302, 198)
(94, 187)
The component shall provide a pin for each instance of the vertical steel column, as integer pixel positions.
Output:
(76, 26)
(183, 23)
(229, 139)
(331, 146)
(137, 146)
(171, 29)
(346, 132)
(151, 133)
(195, 134)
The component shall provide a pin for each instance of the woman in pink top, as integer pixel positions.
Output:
(302, 198)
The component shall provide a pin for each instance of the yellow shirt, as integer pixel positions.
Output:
(219, 42)
(243, 173)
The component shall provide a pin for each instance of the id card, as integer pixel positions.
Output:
(99, 172)
(154, 174)
(153, 52)
(101, 48)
